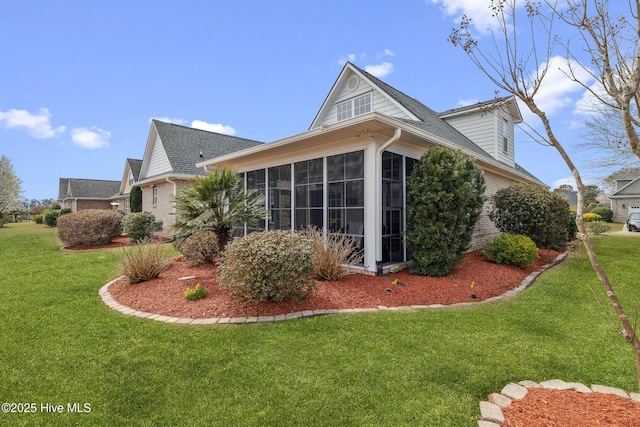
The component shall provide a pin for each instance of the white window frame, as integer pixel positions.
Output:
(155, 195)
(355, 106)
(505, 136)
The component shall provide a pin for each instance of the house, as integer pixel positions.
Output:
(79, 194)
(169, 163)
(347, 172)
(625, 198)
(131, 174)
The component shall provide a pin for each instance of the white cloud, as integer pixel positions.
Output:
(39, 124)
(213, 127)
(379, 70)
(92, 138)
(564, 181)
(479, 12)
(169, 120)
(468, 101)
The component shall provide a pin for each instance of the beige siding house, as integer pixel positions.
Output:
(347, 173)
(169, 163)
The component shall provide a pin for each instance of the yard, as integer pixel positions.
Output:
(63, 351)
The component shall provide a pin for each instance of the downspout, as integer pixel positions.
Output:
(378, 198)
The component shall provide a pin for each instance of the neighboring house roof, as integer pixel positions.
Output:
(135, 165)
(630, 189)
(570, 196)
(176, 149)
(79, 188)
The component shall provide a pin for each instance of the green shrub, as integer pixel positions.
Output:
(143, 262)
(605, 212)
(333, 254)
(597, 227)
(572, 227)
(199, 248)
(591, 217)
(512, 249)
(140, 225)
(268, 265)
(39, 219)
(192, 294)
(89, 227)
(445, 195)
(51, 216)
(533, 211)
(135, 199)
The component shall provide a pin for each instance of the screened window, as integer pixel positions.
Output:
(345, 180)
(392, 207)
(256, 180)
(309, 192)
(280, 197)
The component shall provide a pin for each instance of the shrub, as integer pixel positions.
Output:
(135, 199)
(333, 254)
(89, 227)
(199, 248)
(605, 212)
(532, 211)
(192, 294)
(572, 227)
(140, 225)
(591, 217)
(268, 265)
(597, 227)
(51, 217)
(39, 219)
(143, 262)
(512, 249)
(445, 194)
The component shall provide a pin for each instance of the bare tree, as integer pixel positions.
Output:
(518, 61)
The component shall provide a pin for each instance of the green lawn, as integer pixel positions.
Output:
(61, 345)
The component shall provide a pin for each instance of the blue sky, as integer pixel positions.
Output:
(81, 80)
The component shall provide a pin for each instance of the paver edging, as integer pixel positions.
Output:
(491, 412)
(108, 300)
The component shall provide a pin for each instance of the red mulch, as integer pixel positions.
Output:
(165, 294)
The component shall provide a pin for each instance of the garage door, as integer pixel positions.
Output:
(633, 208)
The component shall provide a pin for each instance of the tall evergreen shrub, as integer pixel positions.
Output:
(445, 194)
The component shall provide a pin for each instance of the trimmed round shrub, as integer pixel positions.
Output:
(532, 211)
(51, 216)
(268, 265)
(591, 217)
(597, 227)
(605, 212)
(199, 248)
(89, 227)
(140, 225)
(512, 249)
(39, 219)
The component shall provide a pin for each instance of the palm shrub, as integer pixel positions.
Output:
(140, 225)
(199, 248)
(605, 212)
(90, 227)
(268, 265)
(445, 194)
(217, 203)
(333, 254)
(533, 211)
(143, 262)
(512, 249)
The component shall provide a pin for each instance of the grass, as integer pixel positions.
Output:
(61, 345)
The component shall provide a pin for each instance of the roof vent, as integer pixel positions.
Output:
(353, 82)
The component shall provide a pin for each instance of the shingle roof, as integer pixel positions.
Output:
(187, 146)
(87, 188)
(135, 165)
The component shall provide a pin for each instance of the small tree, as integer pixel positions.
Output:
(140, 226)
(135, 199)
(445, 194)
(217, 202)
(533, 212)
(9, 188)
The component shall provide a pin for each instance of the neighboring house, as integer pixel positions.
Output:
(348, 172)
(130, 176)
(571, 197)
(169, 163)
(79, 194)
(625, 198)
